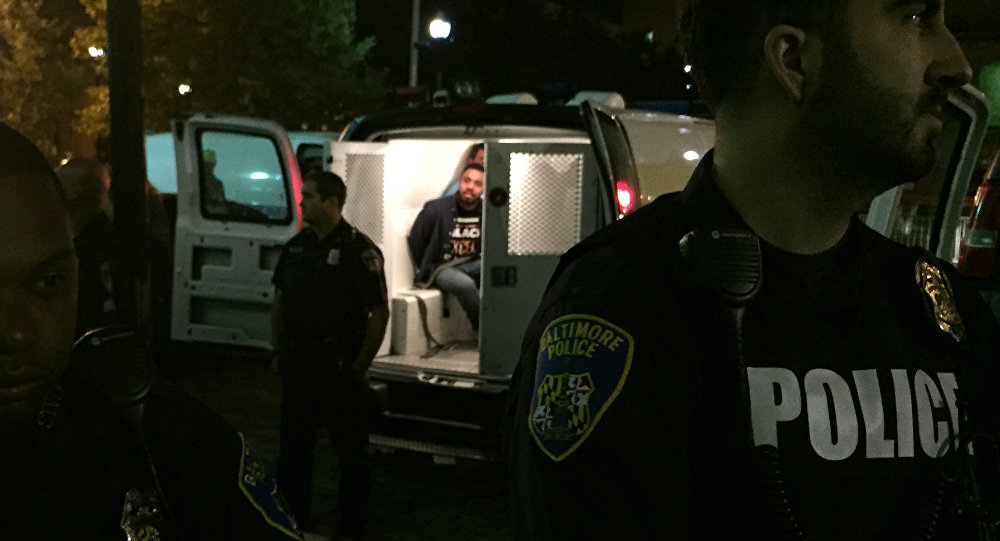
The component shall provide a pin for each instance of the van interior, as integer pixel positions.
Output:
(428, 328)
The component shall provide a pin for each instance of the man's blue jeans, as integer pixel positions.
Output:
(462, 281)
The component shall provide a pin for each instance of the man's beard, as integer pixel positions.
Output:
(864, 132)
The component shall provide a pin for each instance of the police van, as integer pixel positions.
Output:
(553, 176)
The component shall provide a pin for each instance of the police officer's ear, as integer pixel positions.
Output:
(792, 56)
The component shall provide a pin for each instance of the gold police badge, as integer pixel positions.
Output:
(939, 299)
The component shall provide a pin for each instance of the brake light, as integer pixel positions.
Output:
(625, 195)
(978, 253)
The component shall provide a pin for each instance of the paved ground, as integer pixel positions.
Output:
(413, 498)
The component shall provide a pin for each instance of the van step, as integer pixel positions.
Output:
(436, 449)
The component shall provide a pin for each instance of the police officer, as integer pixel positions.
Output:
(330, 315)
(665, 392)
(100, 454)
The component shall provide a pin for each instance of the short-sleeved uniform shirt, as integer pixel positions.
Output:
(329, 285)
(626, 420)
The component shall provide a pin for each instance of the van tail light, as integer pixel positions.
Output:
(626, 196)
(978, 255)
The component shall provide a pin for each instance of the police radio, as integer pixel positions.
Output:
(726, 260)
(118, 366)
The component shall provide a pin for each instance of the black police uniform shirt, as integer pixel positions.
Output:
(69, 475)
(625, 419)
(329, 285)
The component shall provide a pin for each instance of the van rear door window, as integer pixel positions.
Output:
(241, 178)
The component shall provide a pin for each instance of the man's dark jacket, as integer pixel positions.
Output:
(430, 234)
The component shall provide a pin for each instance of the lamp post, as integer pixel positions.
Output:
(439, 31)
(414, 36)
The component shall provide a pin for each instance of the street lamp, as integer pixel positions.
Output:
(439, 28)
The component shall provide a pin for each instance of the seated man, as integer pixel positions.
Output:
(445, 242)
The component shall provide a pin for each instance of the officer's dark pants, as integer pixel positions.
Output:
(316, 392)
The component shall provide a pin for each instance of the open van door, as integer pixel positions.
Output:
(363, 168)
(540, 200)
(933, 212)
(614, 157)
(237, 186)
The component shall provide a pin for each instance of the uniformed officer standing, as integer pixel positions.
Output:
(92, 453)
(329, 318)
(665, 392)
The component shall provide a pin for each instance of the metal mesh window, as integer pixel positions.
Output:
(545, 194)
(365, 193)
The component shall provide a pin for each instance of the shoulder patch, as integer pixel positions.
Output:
(372, 259)
(582, 364)
(939, 299)
(262, 491)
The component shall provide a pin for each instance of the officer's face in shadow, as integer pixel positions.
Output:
(38, 287)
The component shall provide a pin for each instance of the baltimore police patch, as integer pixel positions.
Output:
(262, 491)
(372, 260)
(582, 364)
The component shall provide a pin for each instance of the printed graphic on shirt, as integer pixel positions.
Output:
(464, 238)
(939, 299)
(922, 408)
(582, 364)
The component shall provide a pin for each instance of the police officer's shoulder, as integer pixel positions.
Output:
(371, 255)
(625, 252)
(302, 237)
(175, 408)
(216, 458)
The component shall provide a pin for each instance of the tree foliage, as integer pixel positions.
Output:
(294, 61)
(524, 45)
(39, 79)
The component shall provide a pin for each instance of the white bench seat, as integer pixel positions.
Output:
(446, 321)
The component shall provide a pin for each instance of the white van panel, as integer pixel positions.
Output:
(223, 263)
(541, 199)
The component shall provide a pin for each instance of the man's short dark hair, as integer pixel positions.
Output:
(723, 39)
(476, 166)
(20, 157)
(328, 185)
